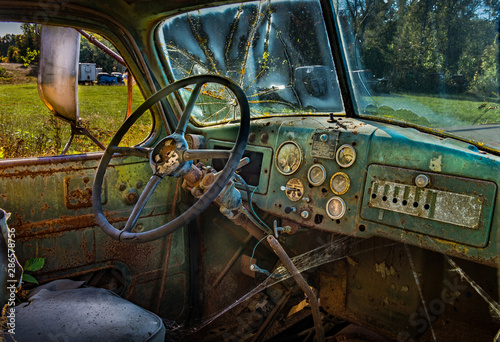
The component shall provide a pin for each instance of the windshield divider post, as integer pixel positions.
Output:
(339, 57)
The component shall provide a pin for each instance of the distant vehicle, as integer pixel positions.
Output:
(103, 78)
(119, 76)
(87, 72)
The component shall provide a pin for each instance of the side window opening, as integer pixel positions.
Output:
(29, 129)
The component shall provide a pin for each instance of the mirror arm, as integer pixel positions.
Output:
(103, 47)
(68, 144)
(79, 130)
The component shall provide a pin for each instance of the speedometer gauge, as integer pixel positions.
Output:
(316, 174)
(288, 158)
(335, 208)
(340, 183)
(346, 155)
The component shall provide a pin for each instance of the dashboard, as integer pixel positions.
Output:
(364, 178)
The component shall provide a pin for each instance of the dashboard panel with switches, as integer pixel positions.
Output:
(351, 177)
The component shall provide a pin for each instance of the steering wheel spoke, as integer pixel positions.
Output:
(181, 126)
(146, 194)
(206, 154)
(142, 152)
(171, 157)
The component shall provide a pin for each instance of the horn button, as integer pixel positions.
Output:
(166, 159)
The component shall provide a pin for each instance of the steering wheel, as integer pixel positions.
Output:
(171, 157)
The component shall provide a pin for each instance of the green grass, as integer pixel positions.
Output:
(28, 128)
(436, 111)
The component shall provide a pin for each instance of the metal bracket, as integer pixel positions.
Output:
(79, 130)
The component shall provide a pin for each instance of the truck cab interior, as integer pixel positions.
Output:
(314, 170)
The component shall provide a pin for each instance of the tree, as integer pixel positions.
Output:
(22, 48)
(89, 53)
(29, 44)
(420, 44)
(13, 55)
(5, 42)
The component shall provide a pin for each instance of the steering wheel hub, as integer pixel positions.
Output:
(167, 157)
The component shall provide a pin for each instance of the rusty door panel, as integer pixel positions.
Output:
(50, 202)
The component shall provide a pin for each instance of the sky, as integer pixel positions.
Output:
(14, 28)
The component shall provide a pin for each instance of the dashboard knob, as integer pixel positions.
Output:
(421, 181)
(289, 210)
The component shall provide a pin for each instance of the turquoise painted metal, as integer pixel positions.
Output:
(413, 209)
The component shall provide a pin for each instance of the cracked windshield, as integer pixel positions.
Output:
(427, 63)
(276, 51)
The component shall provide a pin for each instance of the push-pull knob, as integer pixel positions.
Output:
(422, 181)
(286, 229)
(289, 210)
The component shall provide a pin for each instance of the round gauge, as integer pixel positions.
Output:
(288, 158)
(335, 208)
(346, 155)
(340, 183)
(316, 174)
(294, 189)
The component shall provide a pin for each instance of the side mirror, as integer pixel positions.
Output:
(58, 72)
(58, 77)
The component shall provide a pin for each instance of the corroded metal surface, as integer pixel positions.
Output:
(454, 208)
(50, 201)
(78, 192)
(444, 206)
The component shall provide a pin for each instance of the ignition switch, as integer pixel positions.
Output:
(294, 189)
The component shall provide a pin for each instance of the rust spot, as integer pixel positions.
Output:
(19, 218)
(132, 197)
(128, 254)
(48, 227)
(165, 152)
(66, 223)
(77, 198)
(37, 173)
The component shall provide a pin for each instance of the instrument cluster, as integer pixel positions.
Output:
(289, 159)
